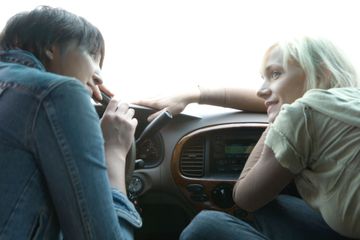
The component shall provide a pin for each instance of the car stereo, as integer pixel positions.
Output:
(230, 150)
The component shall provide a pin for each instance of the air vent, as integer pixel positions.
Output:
(192, 158)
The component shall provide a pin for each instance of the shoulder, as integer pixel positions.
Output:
(342, 104)
(37, 81)
(292, 111)
(67, 90)
(47, 84)
(327, 96)
(46, 87)
(289, 136)
(51, 80)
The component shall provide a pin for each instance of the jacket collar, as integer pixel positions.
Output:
(21, 57)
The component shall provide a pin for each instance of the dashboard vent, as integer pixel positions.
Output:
(192, 158)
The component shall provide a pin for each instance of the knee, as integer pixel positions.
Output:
(204, 224)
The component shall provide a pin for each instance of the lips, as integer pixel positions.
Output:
(269, 106)
(268, 110)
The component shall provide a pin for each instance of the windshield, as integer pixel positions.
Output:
(158, 47)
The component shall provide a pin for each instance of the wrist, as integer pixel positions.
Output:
(118, 183)
(115, 150)
(117, 177)
(116, 163)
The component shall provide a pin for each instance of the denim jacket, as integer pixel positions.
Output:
(53, 179)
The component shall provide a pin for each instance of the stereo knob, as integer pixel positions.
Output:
(222, 195)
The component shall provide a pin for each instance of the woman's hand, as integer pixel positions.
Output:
(173, 104)
(104, 89)
(118, 127)
(97, 89)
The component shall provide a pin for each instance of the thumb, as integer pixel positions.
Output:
(112, 106)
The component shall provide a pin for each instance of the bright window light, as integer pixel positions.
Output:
(157, 47)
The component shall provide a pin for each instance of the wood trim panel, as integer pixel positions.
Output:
(208, 183)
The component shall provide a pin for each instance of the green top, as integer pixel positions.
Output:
(318, 139)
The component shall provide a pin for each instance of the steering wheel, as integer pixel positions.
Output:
(130, 163)
(159, 122)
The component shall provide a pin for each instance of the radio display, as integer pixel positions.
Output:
(237, 150)
(229, 151)
(230, 157)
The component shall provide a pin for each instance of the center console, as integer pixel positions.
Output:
(230, 149)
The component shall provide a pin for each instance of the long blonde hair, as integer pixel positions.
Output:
(324, 64)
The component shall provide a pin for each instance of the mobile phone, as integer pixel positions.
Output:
(101, 106)
(105, 99)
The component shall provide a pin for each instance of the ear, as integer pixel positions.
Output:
(50, 57)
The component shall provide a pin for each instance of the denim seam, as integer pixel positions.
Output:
(76, 183)
(72, 170)
(41, 97)
(20, 200)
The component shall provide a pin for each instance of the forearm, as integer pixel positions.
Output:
(238, 98)
(251, 161)
(116, 170)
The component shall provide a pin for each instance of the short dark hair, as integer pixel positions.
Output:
(44, 26)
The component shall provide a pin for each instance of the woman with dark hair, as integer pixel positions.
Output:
(62, 172)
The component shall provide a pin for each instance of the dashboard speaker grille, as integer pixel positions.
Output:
(192, 158)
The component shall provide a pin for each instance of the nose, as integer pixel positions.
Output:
(264, 91)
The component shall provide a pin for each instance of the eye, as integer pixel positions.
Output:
(94, 56)
(275, 75)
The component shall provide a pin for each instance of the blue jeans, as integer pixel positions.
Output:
(286, 217)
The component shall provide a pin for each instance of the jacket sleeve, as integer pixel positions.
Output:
(70, 152)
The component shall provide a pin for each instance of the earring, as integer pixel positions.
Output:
(49, 54)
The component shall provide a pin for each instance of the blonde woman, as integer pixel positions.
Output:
(313, 104)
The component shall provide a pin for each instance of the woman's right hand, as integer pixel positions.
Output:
(118, 126)
(174, 104)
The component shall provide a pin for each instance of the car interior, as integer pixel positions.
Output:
(186, 163)
(180, 165)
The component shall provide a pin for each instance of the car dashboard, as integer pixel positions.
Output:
(190, 165)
